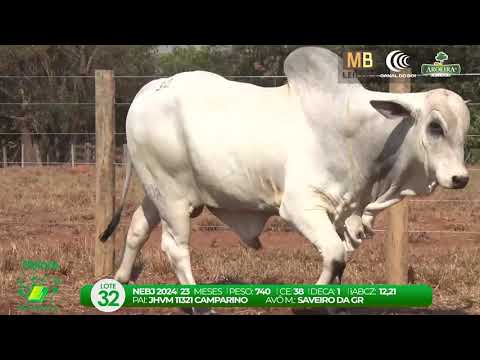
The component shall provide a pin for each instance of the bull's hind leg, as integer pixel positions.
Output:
(248, 225)
(144, 219)
(175, 239)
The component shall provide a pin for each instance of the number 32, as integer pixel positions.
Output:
(106, 298)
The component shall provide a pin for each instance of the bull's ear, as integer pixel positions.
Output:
(392, 109)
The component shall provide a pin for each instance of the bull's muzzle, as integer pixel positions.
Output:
(459, 182)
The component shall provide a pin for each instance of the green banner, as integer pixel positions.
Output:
(441, 70)
(143, 296)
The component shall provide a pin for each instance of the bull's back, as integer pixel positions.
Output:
(228, 140)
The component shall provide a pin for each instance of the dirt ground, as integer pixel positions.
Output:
(48, 214)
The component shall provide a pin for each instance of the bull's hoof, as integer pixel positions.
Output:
(254, 244)
(337, 311)
(122, 278)
(125, 282)
(199, 311)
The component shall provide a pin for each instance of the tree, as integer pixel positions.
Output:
(441, 57)
(238, 60)
(59, 60)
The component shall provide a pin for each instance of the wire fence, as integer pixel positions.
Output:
(159, 76)
(73, 162)
(279, 229)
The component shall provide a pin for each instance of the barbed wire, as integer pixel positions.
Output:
(134, 76)
(92, 133)
(47, 103)
(117, 103)
(45, 76)
(413, 76)
(56, 133)
(438, 232)
(442, 200)
(58, 103)
(42, 164)
(226, 228)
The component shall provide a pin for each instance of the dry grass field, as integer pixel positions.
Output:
(48, 214)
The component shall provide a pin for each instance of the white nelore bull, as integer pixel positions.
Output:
(322, 152)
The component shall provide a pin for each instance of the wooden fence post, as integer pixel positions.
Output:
(72, 154)
(4, 154)
(105, 182)
(23, 154)
(396, 239)
(87, 152)
(125, 154)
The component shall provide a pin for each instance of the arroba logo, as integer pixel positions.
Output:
(397, 61)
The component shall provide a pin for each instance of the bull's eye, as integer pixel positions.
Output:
(435, 129)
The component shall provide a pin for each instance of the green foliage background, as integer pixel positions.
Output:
(234, 60)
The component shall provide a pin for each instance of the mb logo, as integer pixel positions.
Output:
(356, 60)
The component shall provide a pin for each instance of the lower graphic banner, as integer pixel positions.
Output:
(109, 295)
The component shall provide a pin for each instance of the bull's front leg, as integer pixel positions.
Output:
(354, 231)
(314, 224)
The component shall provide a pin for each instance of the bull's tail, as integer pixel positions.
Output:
(116, 217)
